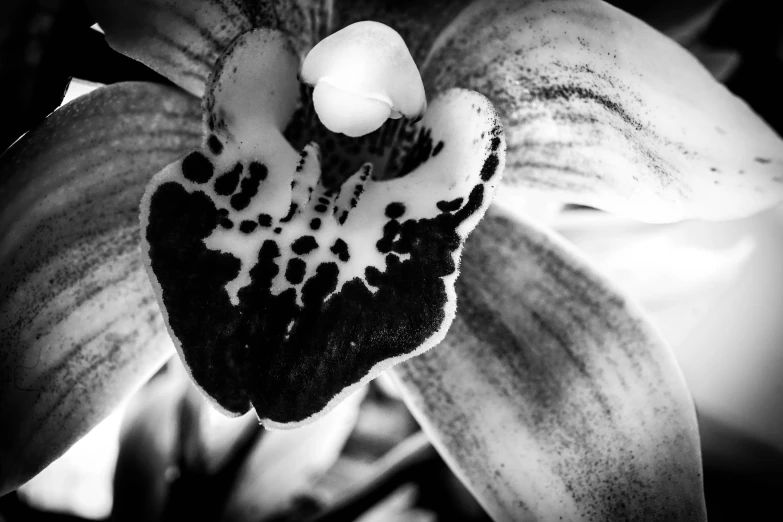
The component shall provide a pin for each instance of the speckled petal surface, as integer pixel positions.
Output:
(600, 109)
(79, 326)
(552, 397)
(285, 295)
(181, 39)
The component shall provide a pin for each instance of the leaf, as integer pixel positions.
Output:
(601, 110)
(551, 396)
(79, 326)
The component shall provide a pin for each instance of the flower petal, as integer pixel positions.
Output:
(285, 294)
(714, 291)
(419, 23)
(551, 395)
(79, 327)
(602, 110)
(181, 39)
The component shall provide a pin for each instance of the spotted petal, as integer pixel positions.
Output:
(181, 39)
(79, 327)
(287, 295)
(601, 110)
(551, 397)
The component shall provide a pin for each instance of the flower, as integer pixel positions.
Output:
(551, 393)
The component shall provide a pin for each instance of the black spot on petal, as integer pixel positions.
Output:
(265, 220)
(395, 210)
(247, 227)
(490, 167)
(390, 231)
(214, 145)
(197, 168)
(257, 170)
(248, 188)
(295, 271)
(291, 211)
(304, 245)
(340, 249)
(449, 206)
(227, 183)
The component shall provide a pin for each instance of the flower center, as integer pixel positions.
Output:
(363, 75)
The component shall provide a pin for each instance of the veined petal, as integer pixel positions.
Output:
(181, 39)
(602, 110)
(284, 294)
(419, 23)
(551, 396)
(79, 326)
(715, 291)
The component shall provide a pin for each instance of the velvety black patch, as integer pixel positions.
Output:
(340, 249)
(320, 208)
(246, 227)
(257, 170)
(390, 231)
(192, 280)
(265, 220)
(490, 167)
(227, 183)
(304, 245)
(248, 188)
(289, 359)
(315, 224)
(449, 206)
(226, 223)
(295, 271)
(291, 211)
(197, 168)
(395, 210)
(214, 145)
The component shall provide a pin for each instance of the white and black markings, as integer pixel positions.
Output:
(285, 296)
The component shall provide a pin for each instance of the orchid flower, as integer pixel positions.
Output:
(544, 386)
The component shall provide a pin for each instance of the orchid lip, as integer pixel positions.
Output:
(285, 294)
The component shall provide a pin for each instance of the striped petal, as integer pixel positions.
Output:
(551, 396)
(182, 39)
(79, 326)
(601, 110)
(690, 278)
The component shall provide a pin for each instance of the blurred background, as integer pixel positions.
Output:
(714, 290)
